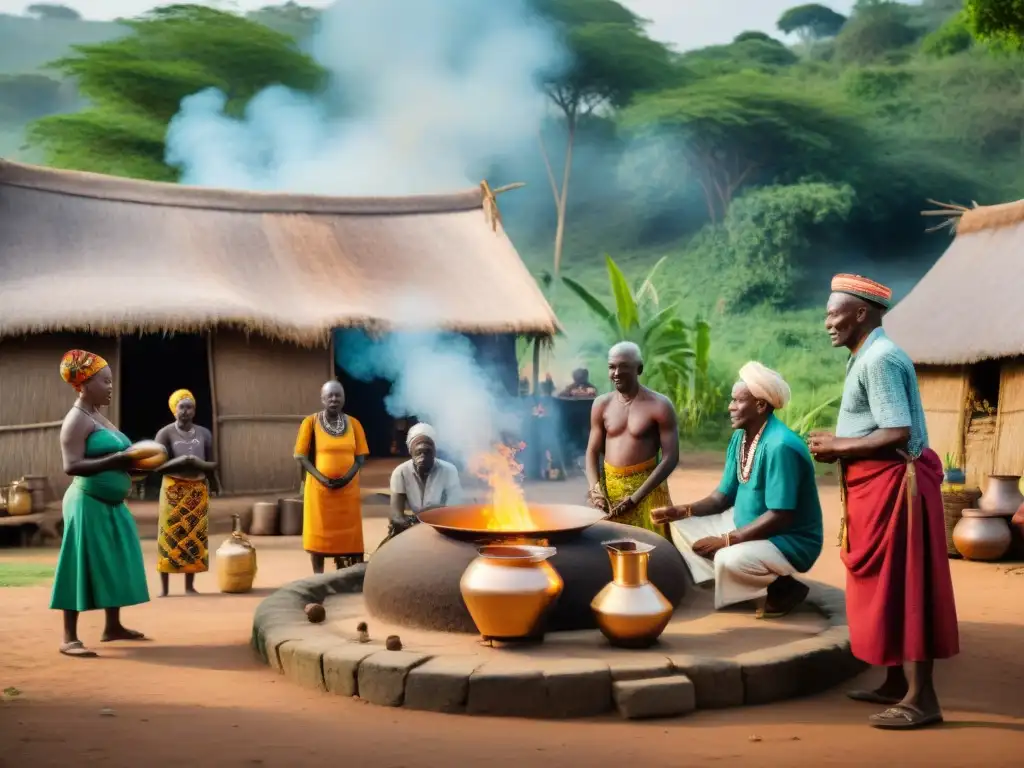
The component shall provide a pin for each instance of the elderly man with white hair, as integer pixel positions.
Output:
(763, 524)
(423, 482)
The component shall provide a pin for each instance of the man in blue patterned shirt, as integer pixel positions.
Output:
(899, 593)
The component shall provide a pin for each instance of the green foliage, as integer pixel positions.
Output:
(136, 83)
(951, 38)
(754, 34)
(997, 21)
(769, 234)
(740, 130)
(753, 53)
(875, 31)
(295, 20)
(811, 21)
(805, 414)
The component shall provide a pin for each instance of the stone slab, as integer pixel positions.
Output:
(301, 661)
(718, 683)
(441, 684)
(577, 687)
(658, 697)
(640, 667)
(341, 666)
(274, 637)
(508, 689)
(381, 676)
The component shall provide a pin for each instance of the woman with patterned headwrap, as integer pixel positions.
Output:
(100, 564)
(182, 544)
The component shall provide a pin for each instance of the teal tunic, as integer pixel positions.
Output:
(781, 479)
(100, 564)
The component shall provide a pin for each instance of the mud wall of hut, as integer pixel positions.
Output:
(1009, 437)
(262, 390)
(944, 396)
(34, 400)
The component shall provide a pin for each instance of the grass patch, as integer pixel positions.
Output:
(24, 574)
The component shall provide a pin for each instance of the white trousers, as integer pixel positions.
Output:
(741, 572)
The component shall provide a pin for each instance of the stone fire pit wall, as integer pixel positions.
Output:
(313, 656)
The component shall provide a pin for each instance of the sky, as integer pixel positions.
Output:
(685, 24)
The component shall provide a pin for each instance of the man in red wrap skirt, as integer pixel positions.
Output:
(899, 594)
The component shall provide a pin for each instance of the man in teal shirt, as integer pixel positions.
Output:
(763, 524)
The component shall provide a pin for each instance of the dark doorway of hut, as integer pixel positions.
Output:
(153, 365)
(365, 400)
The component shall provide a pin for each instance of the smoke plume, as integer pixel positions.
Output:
(424, 96)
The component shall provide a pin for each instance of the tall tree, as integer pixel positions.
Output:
(745, 128)
(53, 11)
(135, 85)
(811, 22)
(611, 60)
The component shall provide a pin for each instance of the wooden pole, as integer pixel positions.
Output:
(215, 426)
(118, 365)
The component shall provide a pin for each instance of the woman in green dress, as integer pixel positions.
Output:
(100, 564)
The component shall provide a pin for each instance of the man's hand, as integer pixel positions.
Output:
(709, 546)
(597, 499)
(624, 507)
(822, 447)
(664, 515)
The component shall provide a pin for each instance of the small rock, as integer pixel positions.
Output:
(361, 627)
(106, 712)
(315, 613)
(393, 643)
(754, 738)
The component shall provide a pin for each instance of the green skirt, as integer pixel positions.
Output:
(100, 564)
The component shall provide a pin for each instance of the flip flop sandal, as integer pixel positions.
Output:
(872, 697)
(903, 718)
(77, 650)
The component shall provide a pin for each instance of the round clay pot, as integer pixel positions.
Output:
(264, 519)
(981, 535)
(1002, 494)
(1017, 532)
(291, 516)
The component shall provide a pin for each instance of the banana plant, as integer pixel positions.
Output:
(637, 315)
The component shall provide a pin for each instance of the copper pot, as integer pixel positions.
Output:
(1002, 494)
(508, 589)
(19, 499)
(630, 611)
(981, 535)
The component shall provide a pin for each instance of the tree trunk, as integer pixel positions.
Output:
(564, 194)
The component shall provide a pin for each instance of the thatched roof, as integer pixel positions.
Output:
(970, 305)
(85, 252)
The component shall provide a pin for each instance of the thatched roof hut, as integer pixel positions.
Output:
(963, 326)
(251, 283)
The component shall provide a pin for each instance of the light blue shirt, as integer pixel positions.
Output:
(881, 393)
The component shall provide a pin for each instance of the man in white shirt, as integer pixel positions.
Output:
(423, 482)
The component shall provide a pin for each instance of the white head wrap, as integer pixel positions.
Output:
(765, 384)
(420, 430)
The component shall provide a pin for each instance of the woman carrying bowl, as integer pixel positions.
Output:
(100, 564)
(182, 538)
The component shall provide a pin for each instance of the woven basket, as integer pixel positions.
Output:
(954, 502)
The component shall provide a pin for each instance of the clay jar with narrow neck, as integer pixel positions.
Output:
(508, 590)
(630, 611)
(1002, 494)
(236, 561)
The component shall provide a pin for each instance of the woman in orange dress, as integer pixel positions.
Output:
(331, 449)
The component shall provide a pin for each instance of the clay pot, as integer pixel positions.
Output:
(264, 519)
(291, 516)
(1017, 533)
(982, 535)
(1002, 494)
(508, 589)
(38, 487)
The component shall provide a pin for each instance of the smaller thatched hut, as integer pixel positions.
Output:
(233, 295)
(963, 326)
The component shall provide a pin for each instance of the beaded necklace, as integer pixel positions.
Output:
(746, 457)
(333, 428)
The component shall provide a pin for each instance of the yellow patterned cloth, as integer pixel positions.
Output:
(182, 545)
(621, 482)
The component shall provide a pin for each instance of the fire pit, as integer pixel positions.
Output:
(414, 579)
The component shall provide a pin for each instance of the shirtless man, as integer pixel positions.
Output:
(629, 427)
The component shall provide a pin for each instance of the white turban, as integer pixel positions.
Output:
(765, 384)
(420, 430)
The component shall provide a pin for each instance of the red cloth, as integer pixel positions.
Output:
(899, 593)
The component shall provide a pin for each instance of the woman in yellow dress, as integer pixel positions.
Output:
(331, 449)
(182, 544)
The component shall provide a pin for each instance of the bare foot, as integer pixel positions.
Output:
(121, 633)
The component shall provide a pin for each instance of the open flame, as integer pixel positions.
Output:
(508, 510)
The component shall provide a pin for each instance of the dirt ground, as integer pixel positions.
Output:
(196, 695)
